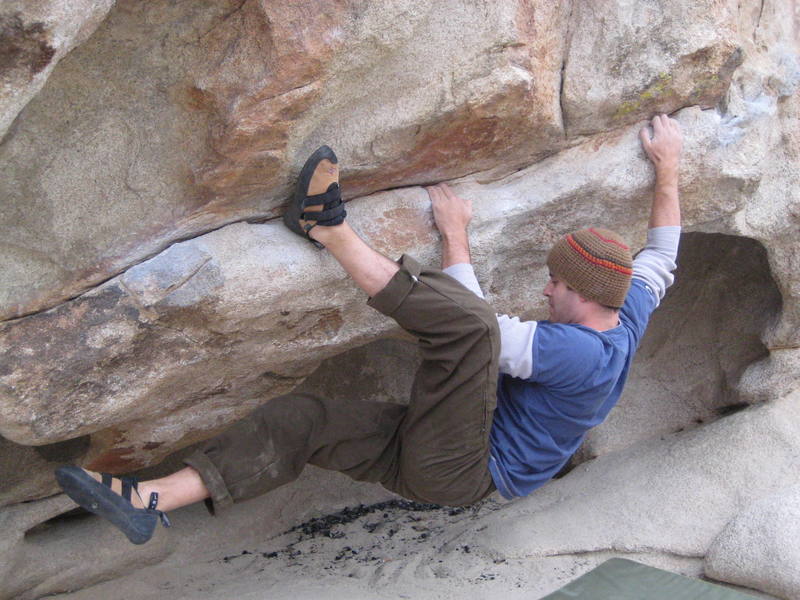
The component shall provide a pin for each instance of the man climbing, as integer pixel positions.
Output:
(497, 403)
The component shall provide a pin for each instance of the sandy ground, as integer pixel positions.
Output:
(392, 549)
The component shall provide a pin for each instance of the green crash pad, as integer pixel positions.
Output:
(621, 579)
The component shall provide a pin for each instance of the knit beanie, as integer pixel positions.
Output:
(594, 262)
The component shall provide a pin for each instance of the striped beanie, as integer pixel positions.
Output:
(594, 262)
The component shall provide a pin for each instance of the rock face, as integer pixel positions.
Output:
(151, 295)
(34, 36)
(198, 115)
(181, 344)
(759, 548)
(682, 50)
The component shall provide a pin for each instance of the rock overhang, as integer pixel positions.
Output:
(206, 317)
(139, 221)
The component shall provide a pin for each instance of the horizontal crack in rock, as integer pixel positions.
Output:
(255, 219)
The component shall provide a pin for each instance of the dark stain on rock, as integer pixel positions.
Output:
(733, 62)
(724, 411)
(195, 98)
(199, 397)
(114, 460)
(152, 445)
(320, 324)
(23, 46)
(273, 376)
(66, 451)
(101, 304)
(710, 87)
(54, 344)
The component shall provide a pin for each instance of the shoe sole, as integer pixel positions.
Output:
(136, 523)
(291, 217)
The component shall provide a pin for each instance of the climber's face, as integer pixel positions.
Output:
(566, 305)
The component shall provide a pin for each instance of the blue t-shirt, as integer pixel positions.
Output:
(578, 376)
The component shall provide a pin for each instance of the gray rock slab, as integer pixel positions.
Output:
(760, 547)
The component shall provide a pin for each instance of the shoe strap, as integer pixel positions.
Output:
(333, 212)
(322, 217)
(164, 519)
(128, 484)
(332, 194)
(308, 227)
(161, 514)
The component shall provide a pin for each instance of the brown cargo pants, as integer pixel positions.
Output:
(434, 450)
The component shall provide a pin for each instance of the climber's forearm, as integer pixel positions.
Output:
(666, 208)
(663, 149)
(455, 249)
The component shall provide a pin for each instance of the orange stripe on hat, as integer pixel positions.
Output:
(609, 240)
(594, 260)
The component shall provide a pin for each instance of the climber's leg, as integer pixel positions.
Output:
(370, 270)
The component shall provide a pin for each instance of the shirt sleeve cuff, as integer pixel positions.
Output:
(664, 240)
(655, 263)
(465, 275)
